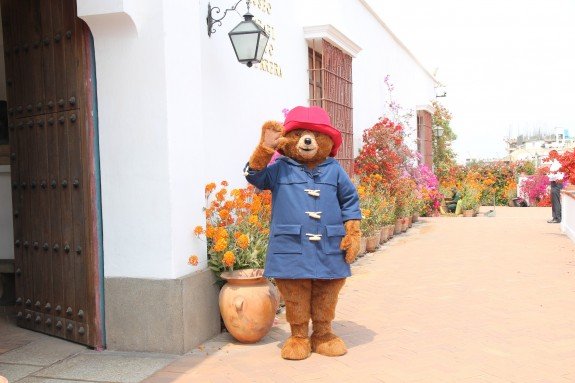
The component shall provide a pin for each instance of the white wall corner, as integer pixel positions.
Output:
(333, 36)
(427, 107)
(99, 7)
(88, 10)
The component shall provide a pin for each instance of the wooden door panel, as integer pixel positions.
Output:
(59, 53)
(51, 140)
(48, 57)
(70, 46)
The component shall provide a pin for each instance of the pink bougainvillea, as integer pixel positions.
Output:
(535, 188)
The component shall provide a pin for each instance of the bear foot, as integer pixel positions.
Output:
(328, 345)
(296, 348)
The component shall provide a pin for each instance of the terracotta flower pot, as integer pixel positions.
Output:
(409, 221)
(248, 304)
(390, 230)
(398, 226)
(415, 217)
(404, 224)
(372, 242)
(468, 213)
(384, 235)
(362, 246)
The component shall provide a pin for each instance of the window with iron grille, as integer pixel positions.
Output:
(330, 86)
(424, 138)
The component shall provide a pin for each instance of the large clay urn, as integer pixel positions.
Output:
(248, 304)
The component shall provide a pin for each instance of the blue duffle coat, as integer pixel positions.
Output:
(309, 208)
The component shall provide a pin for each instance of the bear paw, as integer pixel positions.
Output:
(296, 348)
(328, 345)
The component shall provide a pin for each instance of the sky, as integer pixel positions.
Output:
(508, 66)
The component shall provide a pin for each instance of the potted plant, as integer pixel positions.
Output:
(236, 233)
(370, 225)
(469, 201)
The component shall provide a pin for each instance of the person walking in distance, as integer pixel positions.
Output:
(556, 184)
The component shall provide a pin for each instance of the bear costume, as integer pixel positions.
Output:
(314, 231)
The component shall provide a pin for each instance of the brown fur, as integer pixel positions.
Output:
(297, 297)
(307, 299)
(269, 140)
(324, 297)
(350, 243)
(289, 147)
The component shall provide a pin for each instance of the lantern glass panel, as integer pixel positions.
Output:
(245, 45)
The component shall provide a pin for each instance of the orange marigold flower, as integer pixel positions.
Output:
(198, 230)
(224, 214)
(228, 259)
(193, 260)
(253, 220)
(221, 195)
(221, 232)
(266, 231)
(210, 187)
(221, 244)
(256, 205)
(243, 241)
(224, 183)
(210, 232)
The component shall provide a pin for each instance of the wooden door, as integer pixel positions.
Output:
(48, 55)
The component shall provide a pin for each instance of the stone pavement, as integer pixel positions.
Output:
(31, 357)
(485, 299)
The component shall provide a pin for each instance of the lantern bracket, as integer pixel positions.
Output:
(214, 11)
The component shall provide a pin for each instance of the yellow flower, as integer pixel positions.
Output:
(243, 241)
(228, 259)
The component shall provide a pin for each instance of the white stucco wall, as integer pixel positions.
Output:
(176, 111)
(568, 215)
(152, 153)
(238, 99)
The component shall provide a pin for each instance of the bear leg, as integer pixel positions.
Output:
(324, 300)
(297, 297)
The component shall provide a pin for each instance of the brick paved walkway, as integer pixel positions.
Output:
(485, 299)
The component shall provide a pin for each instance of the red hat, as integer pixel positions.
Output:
(315, 119)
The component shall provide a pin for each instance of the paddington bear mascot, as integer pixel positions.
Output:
(314, 232)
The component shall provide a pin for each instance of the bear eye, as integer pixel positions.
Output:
(297, 133)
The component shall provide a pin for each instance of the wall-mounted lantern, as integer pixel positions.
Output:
(248, 38)
(440, 92)
(438, 131)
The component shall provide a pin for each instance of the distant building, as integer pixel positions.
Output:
(535, 148)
